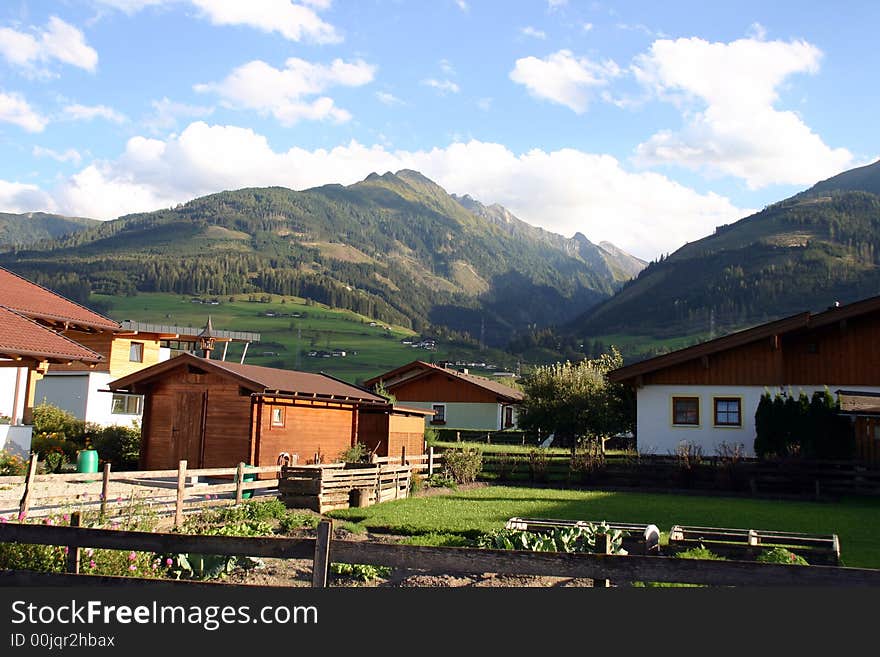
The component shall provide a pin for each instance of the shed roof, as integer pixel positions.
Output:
(259, 379)
(35, 301)
(418, 369)
(21, 337)
(854, 402)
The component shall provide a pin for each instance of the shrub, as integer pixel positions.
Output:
(11, 464)
(119, 446)
(463, 465)
(357, 453)
(538, 464)
(431, 436)
(781, 555)
(700, 553)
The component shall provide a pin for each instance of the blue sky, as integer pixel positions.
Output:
(642, 123)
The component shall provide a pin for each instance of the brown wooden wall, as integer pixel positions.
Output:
(373, 432)
(438, 386)
(845, 353)
(179, 406)
(100, 342)
(307, 429)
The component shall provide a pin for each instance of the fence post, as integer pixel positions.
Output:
(239, 480)
(105, 490)
(458, 436)
(181, 490)
(73, 552)
(403, 455)
(430, 460)
(25, 504)
(603, 546)
(321, 564)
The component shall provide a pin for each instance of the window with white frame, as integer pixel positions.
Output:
(439, 416)
(136, 352)
(126, 404)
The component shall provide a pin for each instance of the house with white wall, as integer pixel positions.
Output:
(707, 394)
(460, 400)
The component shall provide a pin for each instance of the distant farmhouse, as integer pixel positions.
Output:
(707, 394)
(458, 399)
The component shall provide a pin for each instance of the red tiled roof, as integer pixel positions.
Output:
(35, 301)
(260, 379)
(499, 389)
(20, 336)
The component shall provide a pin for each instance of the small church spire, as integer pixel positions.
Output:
(206, 339)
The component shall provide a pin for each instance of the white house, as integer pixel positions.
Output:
(707, 394)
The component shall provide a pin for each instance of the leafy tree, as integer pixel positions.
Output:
(576, 402)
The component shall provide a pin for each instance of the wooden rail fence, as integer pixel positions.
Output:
(323, 488)
(169, 489)
(437, 560)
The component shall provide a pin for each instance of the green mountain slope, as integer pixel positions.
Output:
(396, 247)
(820, 246)
(30, 227)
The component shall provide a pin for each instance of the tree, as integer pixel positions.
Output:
(576, 402)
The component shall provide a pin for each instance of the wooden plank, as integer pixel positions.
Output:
(181, 492)
(239, 480)
(321, 565)
(73, 550)
(30, 578)
(617, 568)
(105, 489)
(282, 548)
(25, 504)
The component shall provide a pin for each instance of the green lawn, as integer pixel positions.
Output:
(468, 513)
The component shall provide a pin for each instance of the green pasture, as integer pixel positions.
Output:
(467, 513)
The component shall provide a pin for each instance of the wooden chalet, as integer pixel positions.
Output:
(216, 414)
(456, 398)
(707, 394)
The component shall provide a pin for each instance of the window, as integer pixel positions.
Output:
(439, 416)
(126, 404)
(686, 411)
(728, 412)
(136, 352)
(277, 417)
(508, 417)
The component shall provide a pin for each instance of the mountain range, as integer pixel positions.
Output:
(396, 247)
(803, 253)
(30, 227)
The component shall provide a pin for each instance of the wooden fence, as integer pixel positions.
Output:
(758, 477)
(323, 488)
(44, 494)
(436, 560)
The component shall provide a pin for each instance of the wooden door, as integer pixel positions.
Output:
(868, 439)
(188, 428)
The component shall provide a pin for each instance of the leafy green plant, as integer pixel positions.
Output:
(441, 480)
(431, 436)
(700, 553)
(563, 539)
(118, 445)
(781, 555)
(293, 520)
(357, 453)
(360, 571)
(463, 465)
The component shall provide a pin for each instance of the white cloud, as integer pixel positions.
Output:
(16, 110)
(727, 93)
(77, 112)
(442, 86)
(447, 67)
(556, 4)
(533, 32)
(58, 40)
(463, 5)
(262, 87)
(563, 78)
(70, 155)
(166, 113)
(564, 191)
(484, 104)
(587, 27)
(20, 197)
(292, 21)
(388, 99)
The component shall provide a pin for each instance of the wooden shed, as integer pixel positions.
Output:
(217, 414)
(401, 431)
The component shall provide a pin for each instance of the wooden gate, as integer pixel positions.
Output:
(868, 439)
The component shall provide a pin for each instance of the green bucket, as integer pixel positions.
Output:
(247, 494)
(87, 460)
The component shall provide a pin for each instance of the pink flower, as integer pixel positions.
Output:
(66, 549)
(22, 516)
(3, 521)
(169, 561)
(48, 521)
(92, 563)
(66, 518)
(132, 556)
(132, 567)
(118, 499)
